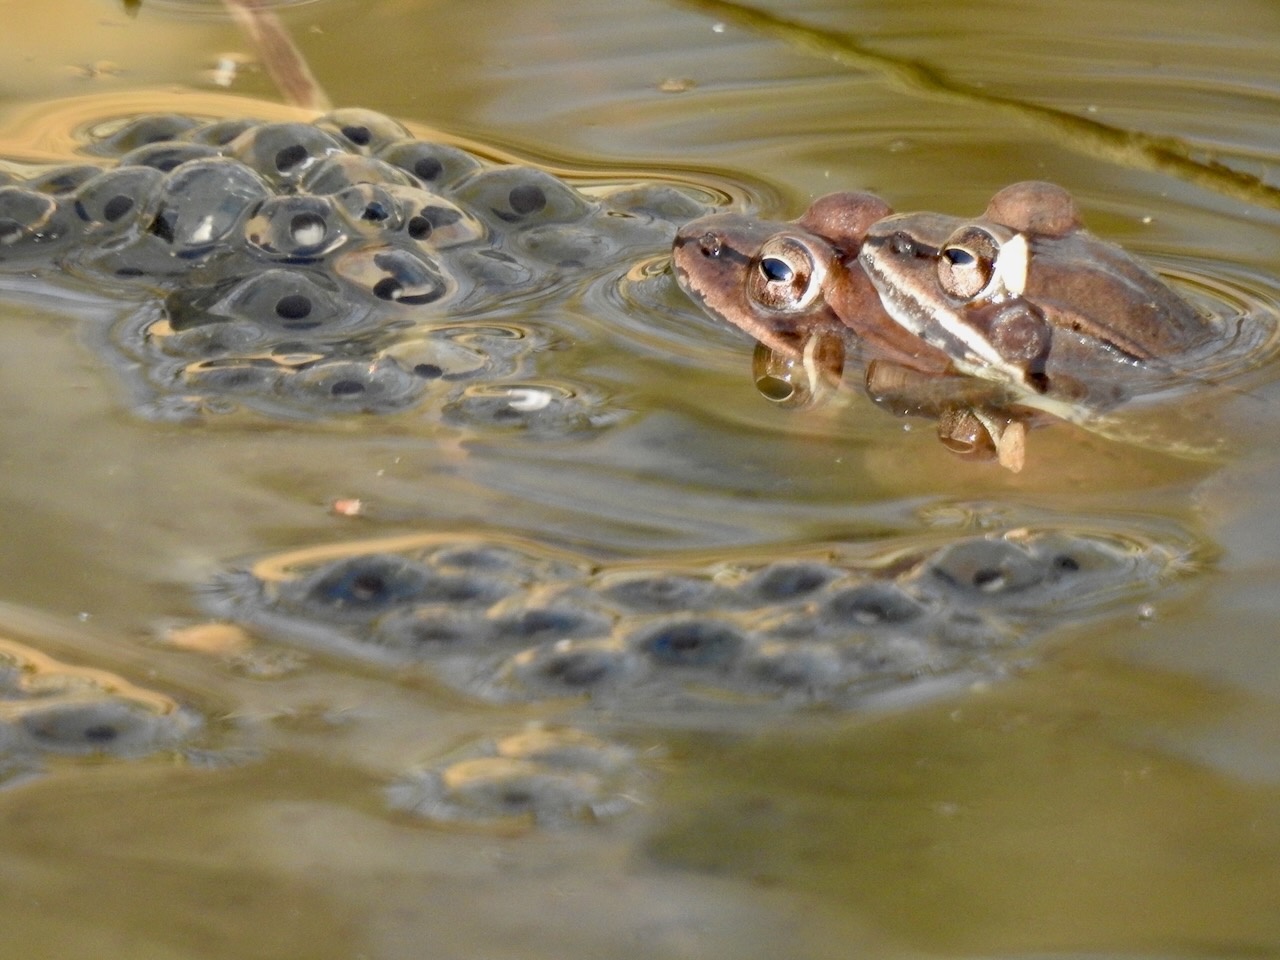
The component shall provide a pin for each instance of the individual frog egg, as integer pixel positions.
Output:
(480, 556)
(140, 131)
(166, 155)
(201, 204)
(295, 228)
(787, 581)
(341, 171)
(277, 298)
(559, 621)
(568, 246)
(469, 588)
(901, 656)
(396, 276)
(498, 791)
(871, 604)
(351, 386)
(435, 630)
(283, 152)
(544, 776)
(362, 130)
(230, 377)
(80, 725)
(657, 201)
(220, 132)
(468, 556)
(522, 196)
(574, 667)
(32, 226)
(982, 572)
(114, 197)
(495, 271)
(62, 181)
(133, 255)
(440, 358)
(436, 165)
(660, 592)
(434, 221)
(122, 256)
(214, 340)
(536, 409)
(370, 209)
(26, 216)
(794, 668)
(706, 644)
(1088, 568)
(356, 589)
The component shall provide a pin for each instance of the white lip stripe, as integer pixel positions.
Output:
(982, 355)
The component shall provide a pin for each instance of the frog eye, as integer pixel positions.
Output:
(967, 262)
(776, 270)
(785, 276)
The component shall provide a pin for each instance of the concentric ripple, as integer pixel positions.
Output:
(1245, 304)
(506, 620)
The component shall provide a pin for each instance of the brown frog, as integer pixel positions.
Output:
(989, 324)
(798, 290)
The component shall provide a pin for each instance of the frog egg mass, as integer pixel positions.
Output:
(506, 621)
(324, 268)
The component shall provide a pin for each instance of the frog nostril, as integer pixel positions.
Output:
(902, 245)
(710, 245)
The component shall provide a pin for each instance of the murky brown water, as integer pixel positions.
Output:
(1114, 793)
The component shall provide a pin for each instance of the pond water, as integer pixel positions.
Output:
(203, 754)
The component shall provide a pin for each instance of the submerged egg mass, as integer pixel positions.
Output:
(509, 621)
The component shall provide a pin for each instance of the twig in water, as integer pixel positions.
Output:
(1126, 148)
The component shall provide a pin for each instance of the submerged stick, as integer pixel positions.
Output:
(1127, 148)
(284, 62)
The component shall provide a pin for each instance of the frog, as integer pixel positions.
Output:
(797, 289)
(1025, 296)
(991, 325)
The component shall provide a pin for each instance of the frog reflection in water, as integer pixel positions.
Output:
(988, 325)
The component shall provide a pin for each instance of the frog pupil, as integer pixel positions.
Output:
(775, 270)
(959, 257)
